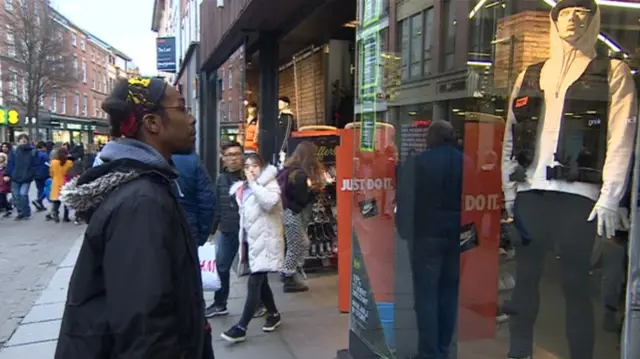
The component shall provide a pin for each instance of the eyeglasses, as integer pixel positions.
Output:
(234, 154)
(184, 109)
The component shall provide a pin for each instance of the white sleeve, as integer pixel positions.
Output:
(621, 133)
(508, 163)
(268, 196)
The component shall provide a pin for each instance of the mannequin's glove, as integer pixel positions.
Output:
(608, 220)
(508, 207)
(625, 220)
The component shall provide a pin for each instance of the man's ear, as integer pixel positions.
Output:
(152, 122)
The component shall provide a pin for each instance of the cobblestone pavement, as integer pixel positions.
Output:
(30, 252)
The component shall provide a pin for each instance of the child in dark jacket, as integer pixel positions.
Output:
(5, 186)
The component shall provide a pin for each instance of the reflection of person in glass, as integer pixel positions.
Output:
(428, 217)
(560, 107)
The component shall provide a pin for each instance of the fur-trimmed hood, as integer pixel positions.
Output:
(124, 160)
(268, 174)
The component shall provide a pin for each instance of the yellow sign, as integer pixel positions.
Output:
(13, 117)
(3, 116)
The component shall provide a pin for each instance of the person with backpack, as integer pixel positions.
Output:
(23, 164)
(301, 176)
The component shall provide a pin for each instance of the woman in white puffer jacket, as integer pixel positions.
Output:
(261, 241)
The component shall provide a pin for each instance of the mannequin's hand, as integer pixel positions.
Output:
(508, 206)
(625, 222)
(608, 220)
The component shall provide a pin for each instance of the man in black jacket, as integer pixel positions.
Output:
(136, 290)
(227, 220)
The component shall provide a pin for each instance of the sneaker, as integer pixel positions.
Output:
(271, 323)
(261, 312)
(6, 214)
(216, 311)
(20, 217)
(234, 335)
(66, 220)
(77, 222)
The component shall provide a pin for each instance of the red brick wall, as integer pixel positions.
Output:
(310, 72)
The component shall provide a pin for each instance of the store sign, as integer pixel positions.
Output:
(326, 147)
(452, 86)
(368, 184)
(9, 117)
(166, 54)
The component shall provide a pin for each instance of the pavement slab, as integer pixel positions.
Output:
(30, 252)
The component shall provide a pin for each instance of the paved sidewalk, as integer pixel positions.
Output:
(312, 327)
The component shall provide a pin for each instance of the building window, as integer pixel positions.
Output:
(63, 103)
(95, 107)
(13, 84)
(415, 57)
(405, 41)
(428, 41)
(75, 64)
(8, 5)
(11, 44)
(240, 111)
(416, 42)
(54, 102)
(93, 82)
(84, 71)
(222, 75)
(76, 104)
(82, 45)
(230, 78)
(230, 108)
(25, 89)
(42, 100)
(84, 104)
(449, 38)
(74, 40)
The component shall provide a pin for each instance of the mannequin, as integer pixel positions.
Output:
(286, 125)
(251, 128)
(565, 159)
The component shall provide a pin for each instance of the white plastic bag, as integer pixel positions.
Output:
(207, 257)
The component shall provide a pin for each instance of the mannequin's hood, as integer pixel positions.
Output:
(564, 54)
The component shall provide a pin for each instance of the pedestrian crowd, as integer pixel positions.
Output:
(45, 164)
(149, 203)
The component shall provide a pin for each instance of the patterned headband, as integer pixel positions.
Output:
(144, 95)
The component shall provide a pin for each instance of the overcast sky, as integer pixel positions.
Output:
(124, 24)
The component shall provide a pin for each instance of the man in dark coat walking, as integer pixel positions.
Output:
(195, 195)
(136, 290)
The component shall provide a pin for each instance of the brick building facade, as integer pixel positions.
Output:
(72, 113)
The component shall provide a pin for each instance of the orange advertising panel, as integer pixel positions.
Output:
(481, 206)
